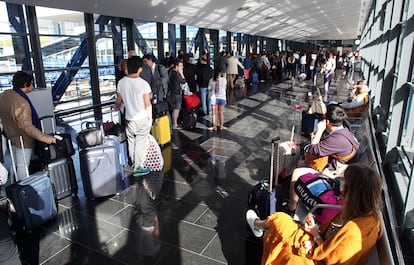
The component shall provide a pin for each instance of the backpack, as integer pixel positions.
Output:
(315, 189)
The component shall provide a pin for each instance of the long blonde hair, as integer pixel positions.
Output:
(362, 192)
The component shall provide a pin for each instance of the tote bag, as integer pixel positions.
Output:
(317, 106)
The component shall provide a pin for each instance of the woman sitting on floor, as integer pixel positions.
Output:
(346, 239)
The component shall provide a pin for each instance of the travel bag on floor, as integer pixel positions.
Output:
(266, 196)
(101, 169)
(188, 119)
(191, 101)
(33, 199)
(63, 147)
(63, 177)
(91, 135)
(161, 130)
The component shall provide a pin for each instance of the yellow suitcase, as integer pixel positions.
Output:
(161, 130)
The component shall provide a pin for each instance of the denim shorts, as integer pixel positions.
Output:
(178, 101)
(219, 101)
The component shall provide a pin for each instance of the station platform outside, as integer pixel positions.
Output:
(198, 215)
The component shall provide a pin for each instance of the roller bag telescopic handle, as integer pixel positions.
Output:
(274, 154)
(14, 167)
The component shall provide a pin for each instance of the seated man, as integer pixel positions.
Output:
(331, 152)
(358, 101)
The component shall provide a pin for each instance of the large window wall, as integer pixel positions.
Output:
(54, 45)
(387, 63)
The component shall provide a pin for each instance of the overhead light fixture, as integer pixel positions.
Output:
(357, 41)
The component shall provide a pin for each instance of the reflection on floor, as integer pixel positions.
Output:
(197, 216)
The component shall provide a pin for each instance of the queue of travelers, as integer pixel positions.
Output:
(142, 82)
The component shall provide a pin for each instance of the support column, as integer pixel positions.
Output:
(93, 66)
(228, 41)
(36, 48)
(201, 41)
(129, 24)
(239, 45)
(183, 38)
(160, 41)
(214, 35)
(20, 43)
(172, 39)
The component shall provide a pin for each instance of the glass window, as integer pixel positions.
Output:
(54, 21)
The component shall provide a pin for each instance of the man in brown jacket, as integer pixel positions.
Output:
(19, 117)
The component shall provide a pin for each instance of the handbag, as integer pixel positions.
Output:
(315, 189)
(112, 128)
(90, 136)
(161, 108)
(317, 106)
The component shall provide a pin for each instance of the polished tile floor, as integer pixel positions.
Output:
(197, 215)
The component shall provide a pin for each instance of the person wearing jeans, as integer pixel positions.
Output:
(204, 73)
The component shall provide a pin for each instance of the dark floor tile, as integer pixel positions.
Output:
(183, 257)
(185, 235)
(140, 247)
(39, 245)
(102, 208)
(181, 210)
(84, 229)
(79, 255)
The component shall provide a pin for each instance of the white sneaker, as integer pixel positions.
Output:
(251, 216)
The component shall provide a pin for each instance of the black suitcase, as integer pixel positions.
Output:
(265, 197)
(50, 152)
(309, 123)
(188, 119)
(63, 177)
(101, 169)
(33, 199)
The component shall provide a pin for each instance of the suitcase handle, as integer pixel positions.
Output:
(52, 118)
(275, 149)
(13, 158)
(88, 124)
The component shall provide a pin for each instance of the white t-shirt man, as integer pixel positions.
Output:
(132, 91)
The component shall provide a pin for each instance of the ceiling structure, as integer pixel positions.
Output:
(298, 20)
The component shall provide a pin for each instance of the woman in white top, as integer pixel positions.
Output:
(217, 85)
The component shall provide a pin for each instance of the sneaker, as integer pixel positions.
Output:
(141, 171)
(251, 216)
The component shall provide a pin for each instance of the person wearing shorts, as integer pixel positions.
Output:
(217, 85)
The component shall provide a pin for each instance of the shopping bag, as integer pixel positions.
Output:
(153, 157)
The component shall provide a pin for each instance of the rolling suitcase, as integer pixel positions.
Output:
(101, 170)
(32, 198)
(264, 197)
(161, 130)
(63, 177)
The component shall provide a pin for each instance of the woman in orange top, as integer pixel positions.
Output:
(346, 239)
